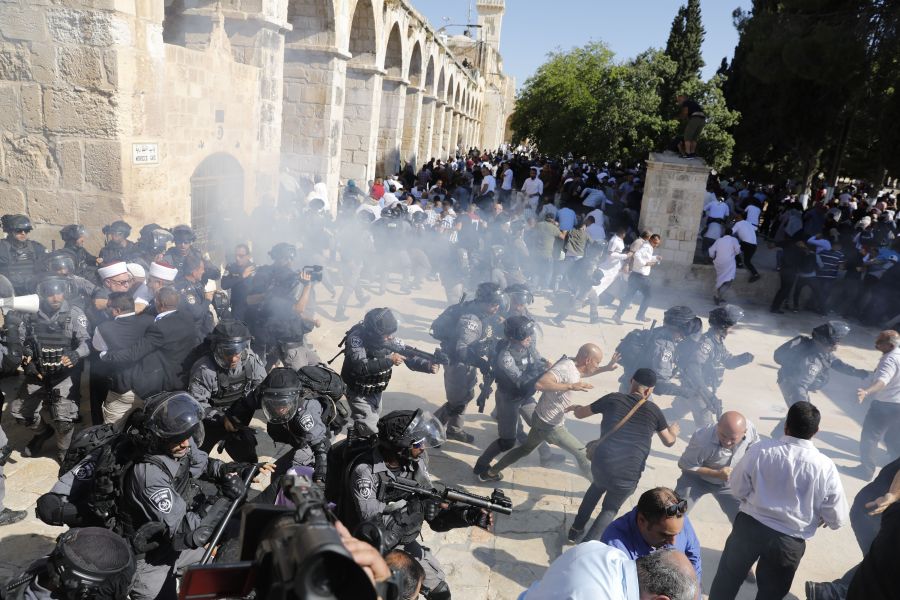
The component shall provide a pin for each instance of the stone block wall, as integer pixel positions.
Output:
(673, 204)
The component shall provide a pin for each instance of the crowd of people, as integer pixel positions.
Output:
(180, 349)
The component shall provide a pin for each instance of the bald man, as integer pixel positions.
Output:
(548, 423)
(707, 461)
(883, 416)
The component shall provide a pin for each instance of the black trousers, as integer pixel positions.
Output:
(636, 283)
(779, 556)
(787, 282)
(747, 251)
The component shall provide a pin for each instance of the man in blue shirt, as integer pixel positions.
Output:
(658, 521)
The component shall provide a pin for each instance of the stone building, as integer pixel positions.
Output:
(194, 110)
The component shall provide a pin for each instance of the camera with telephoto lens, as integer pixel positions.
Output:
(314, 272)
(287, 553)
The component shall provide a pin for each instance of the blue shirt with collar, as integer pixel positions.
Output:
(623, 533)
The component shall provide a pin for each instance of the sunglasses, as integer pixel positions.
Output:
(676, 510)
(23, 230)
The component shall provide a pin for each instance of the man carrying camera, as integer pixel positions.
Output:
(403, 437)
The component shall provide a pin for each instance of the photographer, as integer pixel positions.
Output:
(403, 437)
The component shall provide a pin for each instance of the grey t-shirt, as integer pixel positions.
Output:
(552, 405)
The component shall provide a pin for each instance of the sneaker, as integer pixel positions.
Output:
(490, 476)
(575, 534)
(756, 277)
(552, 459)
(776, 311)
(460, 436)
(8, 517)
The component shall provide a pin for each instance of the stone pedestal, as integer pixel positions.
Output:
(673, 204)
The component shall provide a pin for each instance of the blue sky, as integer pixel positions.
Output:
(532, 28)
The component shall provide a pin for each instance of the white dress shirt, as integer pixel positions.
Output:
(643, 259)
(507, 180)
(744, 231)
(589, 571)
(533, 187)
(704, 450)
(789, 486)
(888, 372)
(753, 213)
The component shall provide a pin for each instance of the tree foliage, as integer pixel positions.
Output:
(684, 47)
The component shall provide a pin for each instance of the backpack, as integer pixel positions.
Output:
(342, 459)
(784, 354)
(329, 390)
(443, 329)
(632, 346)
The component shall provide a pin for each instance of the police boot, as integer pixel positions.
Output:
(34, 446)
(340, 315)
(460, 435)
(440, 592)
(8, 517)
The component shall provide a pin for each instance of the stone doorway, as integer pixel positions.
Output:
(217, 204)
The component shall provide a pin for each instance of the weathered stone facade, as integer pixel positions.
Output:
(182, 110)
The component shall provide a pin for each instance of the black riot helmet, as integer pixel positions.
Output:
(489, 294)
(155, 239)
(682, 319)
(283, 251)
(72, 233)
(60, 262)
(117, 228)
(279, 395)
(518, 327)
(183, 233)
(174, 417)
(48, 288)
(402, 430)
(230, 338)
(13, 223)
(723, 317)
(831, 333)
(519, 293)
(91, 563)
(380, 322)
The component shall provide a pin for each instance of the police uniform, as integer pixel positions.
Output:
(399, 516)
(659, 355)
(19, 263)
(27, 586)
(85, 262)
(217, 390)
(702, 366)
(113, 252)
(194, 302)
(367, 371)
(516, 369)
(62, 333)
(308, 438)
(162, 489)
(460, 375)
(175, 258)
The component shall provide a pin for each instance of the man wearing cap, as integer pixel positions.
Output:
(619, 455)
(161, 274)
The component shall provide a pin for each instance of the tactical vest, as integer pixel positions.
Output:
(231, 388)
(21, 269)
(409, 519)
(131, 520)
(366, 385)
(54, 339)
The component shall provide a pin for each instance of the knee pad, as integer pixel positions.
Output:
(440, 592)
(506, 444)
(64, 426)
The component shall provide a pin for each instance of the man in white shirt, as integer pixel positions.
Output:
(594, 198)
(753, 212)
(724, 253)
(639, 279)
(883, 415)
(787, 489)
(745, 233)
(533, 188)
(487, 191)
(716, 214)
(506, 186)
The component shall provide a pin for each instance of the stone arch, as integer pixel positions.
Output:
(393, 53)
(313, 23)
(429, 75)
(415, 66)
(441, 90)
(363, 34)
(457, 97)
(217, 196)
(451, 86)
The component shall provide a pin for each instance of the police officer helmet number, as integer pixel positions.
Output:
(162, 500)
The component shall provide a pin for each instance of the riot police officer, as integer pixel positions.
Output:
(20, 257)
(403, 437)
(91, 562)
(356, 246)
(656, 349)
(189, 285)
(118, 247)
(184, 238)
(368, 364)
(153, 242)
(466, 342)
(62, 264)
(73, 237)
(221, 378)
(161, 499)
(702, 366)
(805, 363)
(517, 365)
(520, 298)
(294, 418)
(54, 341)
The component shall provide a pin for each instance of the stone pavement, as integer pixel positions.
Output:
(482, 566)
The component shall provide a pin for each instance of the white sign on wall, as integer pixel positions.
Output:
(145, 154)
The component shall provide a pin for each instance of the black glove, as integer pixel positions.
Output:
(5, 451)
(73, 357)
(431, 509)
(241, 468)
(232, 486)
(145, 538)
(477, 517)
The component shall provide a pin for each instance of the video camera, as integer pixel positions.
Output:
(286, 554)
(314, 272)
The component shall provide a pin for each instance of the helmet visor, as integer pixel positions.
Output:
(426, 431)
(226, 351)
(177, 418)
(280, 406)
(61, 265)
(52, 287)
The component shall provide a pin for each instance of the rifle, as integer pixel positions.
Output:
(438, 358)
(497, 502)
(231, 510)
(484, 348)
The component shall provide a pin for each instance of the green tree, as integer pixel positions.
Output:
(683, 47)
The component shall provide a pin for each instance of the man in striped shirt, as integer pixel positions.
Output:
(828, 265)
